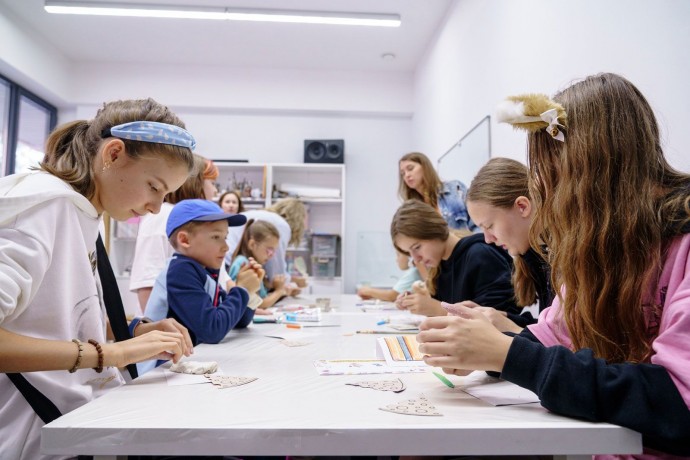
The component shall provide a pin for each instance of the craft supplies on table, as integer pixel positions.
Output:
(400, 350)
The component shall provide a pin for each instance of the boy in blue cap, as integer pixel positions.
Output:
(188, 290)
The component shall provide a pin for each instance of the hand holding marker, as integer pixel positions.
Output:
(443, 379)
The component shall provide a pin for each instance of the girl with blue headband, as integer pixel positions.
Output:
(123, 162)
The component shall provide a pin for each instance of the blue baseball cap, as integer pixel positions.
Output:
(198, 210)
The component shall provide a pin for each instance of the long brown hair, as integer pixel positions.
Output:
(432, 183)
(607, 203)
(418, 220)
(499, 183)
(72, 147)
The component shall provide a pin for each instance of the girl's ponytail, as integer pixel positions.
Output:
(243, 247)
(68, 155)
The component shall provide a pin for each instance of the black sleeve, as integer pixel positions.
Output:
(523, 319)
(641, 397)
(489, 272)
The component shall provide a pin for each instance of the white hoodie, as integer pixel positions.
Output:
(49, 288)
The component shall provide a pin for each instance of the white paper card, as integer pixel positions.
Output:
(383, 352)
(495, 391)
(175, 378)
(361, 367)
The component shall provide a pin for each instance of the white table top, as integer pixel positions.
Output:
(291, 410)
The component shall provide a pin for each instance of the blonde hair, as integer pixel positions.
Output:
(418, 220)
(294, 213)
(257, 230)
(72, 147)
(432, 183)
(499, 183)
(607, 204)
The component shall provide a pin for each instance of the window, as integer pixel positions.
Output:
(4, 117)
(25, 122)
(33, 125)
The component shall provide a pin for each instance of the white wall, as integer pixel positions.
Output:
(230, 120)
(238, 89)
(372, 147)
(486, 50)
(263, 115)
(490, 49)
(34, 62)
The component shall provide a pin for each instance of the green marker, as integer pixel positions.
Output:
(447, 382)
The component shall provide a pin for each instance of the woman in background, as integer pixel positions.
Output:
(231, 202)
(419, 181)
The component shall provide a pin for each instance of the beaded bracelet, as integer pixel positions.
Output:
(99, 368)
(80, 347)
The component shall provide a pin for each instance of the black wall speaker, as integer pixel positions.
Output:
(324, 151)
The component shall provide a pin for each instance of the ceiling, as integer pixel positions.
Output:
(243, 44)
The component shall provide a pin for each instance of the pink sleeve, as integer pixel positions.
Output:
(672, 345)
(550, 329)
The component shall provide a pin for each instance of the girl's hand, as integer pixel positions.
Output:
(248, 278)
(363, 292)
(419, 287)
(258, 269)
(152, 345)
(300, 281)
(465, 342)
(497, 317)
(399, 300)
(291, 289)
(278, 282)
(167, 325)
(421, 304)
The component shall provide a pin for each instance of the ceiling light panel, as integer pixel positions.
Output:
(231, 14)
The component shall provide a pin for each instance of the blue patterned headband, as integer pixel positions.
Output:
(152, 131)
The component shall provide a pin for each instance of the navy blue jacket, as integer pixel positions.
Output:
(196, 300)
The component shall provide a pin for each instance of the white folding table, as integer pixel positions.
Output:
(291, 410)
